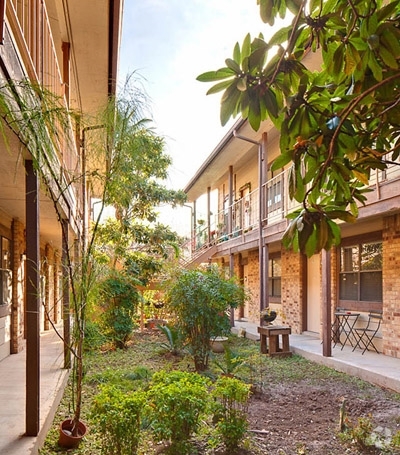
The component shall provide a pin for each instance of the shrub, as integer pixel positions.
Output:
(230, 410)
(119, 299)
(176, 402)
(118, 418)
(201, 299)
(94, 338)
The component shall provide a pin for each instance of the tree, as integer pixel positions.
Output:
(337, 124)
(201, 298)
(124, 162)
(133, 245)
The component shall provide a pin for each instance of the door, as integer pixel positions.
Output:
(314, 294)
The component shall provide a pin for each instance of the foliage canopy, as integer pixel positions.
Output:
(337, 124)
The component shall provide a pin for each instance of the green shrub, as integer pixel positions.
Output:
(229, 409)
(119, 299)
(94, 338)
(176, 402)
(117, 415)
(201, 299)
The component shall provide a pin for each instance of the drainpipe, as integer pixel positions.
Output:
(260, 225)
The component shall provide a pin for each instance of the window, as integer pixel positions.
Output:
(274, 277)
(360, 277)
(5, 272)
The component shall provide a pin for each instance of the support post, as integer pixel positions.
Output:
(326, 304)
(65, 293)
(32, 301)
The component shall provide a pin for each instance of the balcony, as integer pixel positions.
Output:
(243, 217)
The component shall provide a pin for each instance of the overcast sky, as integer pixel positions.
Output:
(169, 43)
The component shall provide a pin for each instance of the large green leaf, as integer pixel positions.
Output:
(229, 103)
(212, 76)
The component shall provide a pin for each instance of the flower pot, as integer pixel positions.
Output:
(270, 317)
(217, 344)
(66, 439)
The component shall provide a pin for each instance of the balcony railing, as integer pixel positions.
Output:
(31, 28)
(243, 215)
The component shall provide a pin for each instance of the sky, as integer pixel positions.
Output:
(168, 43)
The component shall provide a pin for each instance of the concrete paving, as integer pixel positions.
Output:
(375, 368)
(53, 379)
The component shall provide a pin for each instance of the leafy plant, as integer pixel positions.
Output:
(174, 338)
(231, 361)
(117, 415)
(176, 402)
(200, 299)
(230, 410)
(118, 299)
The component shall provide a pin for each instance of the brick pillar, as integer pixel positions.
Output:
(56, 288)
(18, 287)
(48, 289)
(292, 289)
(391, 286)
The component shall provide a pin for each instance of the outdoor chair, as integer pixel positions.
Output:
(367, 334)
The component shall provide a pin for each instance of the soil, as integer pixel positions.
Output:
(305, 419)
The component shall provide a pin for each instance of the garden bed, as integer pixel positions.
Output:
(294, 408)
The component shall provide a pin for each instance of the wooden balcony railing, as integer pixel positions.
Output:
(31, 29)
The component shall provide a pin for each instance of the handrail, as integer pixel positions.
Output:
(245, 210)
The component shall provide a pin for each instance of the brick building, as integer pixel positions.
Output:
(243, 206)
(71, 50)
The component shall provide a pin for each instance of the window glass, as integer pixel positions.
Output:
(349, 259)
(360, 277)
(274, 277)
(371, 256)
(5, 253)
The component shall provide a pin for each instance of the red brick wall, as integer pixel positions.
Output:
(391, 286)
(292, 289)
(18, 288)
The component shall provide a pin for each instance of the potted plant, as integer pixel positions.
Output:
(268, 315)
(201, 299)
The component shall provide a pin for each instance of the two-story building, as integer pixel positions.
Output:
(243, 232)
(70, 48)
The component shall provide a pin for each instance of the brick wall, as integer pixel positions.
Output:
(391, 286)
(292, 289)
(253, 284)
(18, 288)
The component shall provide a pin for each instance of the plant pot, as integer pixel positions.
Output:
(217, 344)
(270, 317)
(66, 439)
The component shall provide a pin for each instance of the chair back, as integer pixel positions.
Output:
(374, 320)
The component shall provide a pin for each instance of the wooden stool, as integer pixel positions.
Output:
(272, 332)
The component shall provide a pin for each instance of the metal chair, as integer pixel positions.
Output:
(366, 334)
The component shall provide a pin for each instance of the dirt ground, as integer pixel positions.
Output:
(305, 419)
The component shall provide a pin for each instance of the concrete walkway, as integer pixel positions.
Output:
(376, 368)
(53, 379)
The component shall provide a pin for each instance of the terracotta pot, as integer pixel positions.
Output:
(66, 439)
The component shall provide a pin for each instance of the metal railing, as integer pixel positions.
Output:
(245, 214)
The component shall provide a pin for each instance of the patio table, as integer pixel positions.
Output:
(344, 324)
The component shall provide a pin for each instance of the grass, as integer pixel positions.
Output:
(132, 368)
